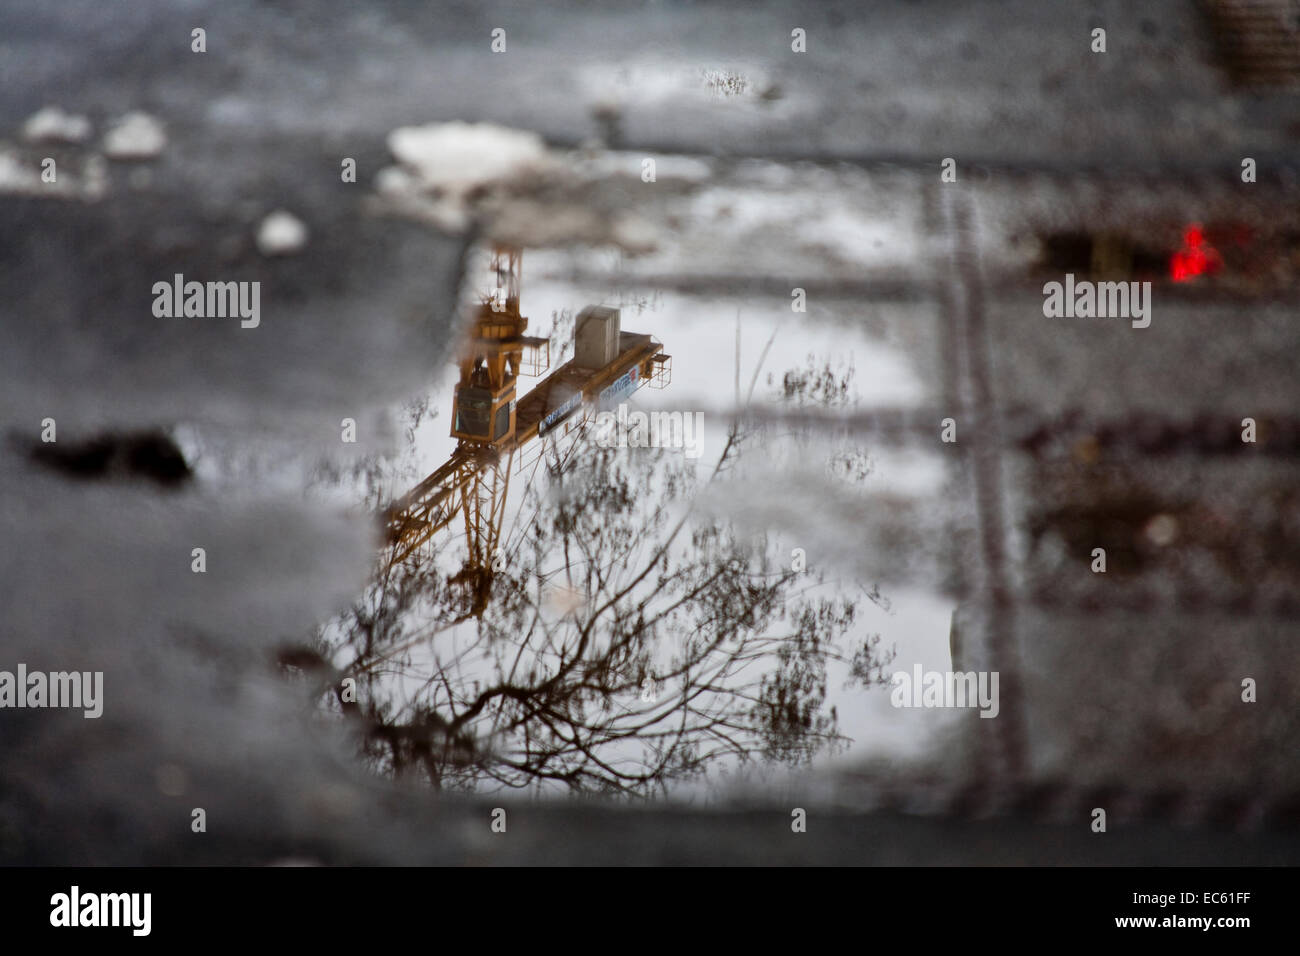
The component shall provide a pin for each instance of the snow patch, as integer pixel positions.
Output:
(281, 234)
(53, 125)
(15, 177)
(21, 177)
(135, 136)
(457, 157)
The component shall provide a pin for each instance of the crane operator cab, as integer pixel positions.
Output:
(490, 363)
(483, 415)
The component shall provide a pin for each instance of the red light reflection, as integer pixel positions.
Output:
(1196, 257)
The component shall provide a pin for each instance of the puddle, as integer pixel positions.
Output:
(656, 619)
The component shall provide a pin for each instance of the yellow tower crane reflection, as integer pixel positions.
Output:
(494, 427)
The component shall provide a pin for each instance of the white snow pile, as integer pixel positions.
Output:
(85, 179)
(445, 167)
(455, 158)
(135, 136)
(281, 234)
(53, 125)
(519, 191)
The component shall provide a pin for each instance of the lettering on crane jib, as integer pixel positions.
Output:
(623, 385)
(559, 414)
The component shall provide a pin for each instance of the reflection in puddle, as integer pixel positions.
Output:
(556, 610)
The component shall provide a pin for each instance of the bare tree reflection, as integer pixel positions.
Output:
(817, 385)
(626, 642)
